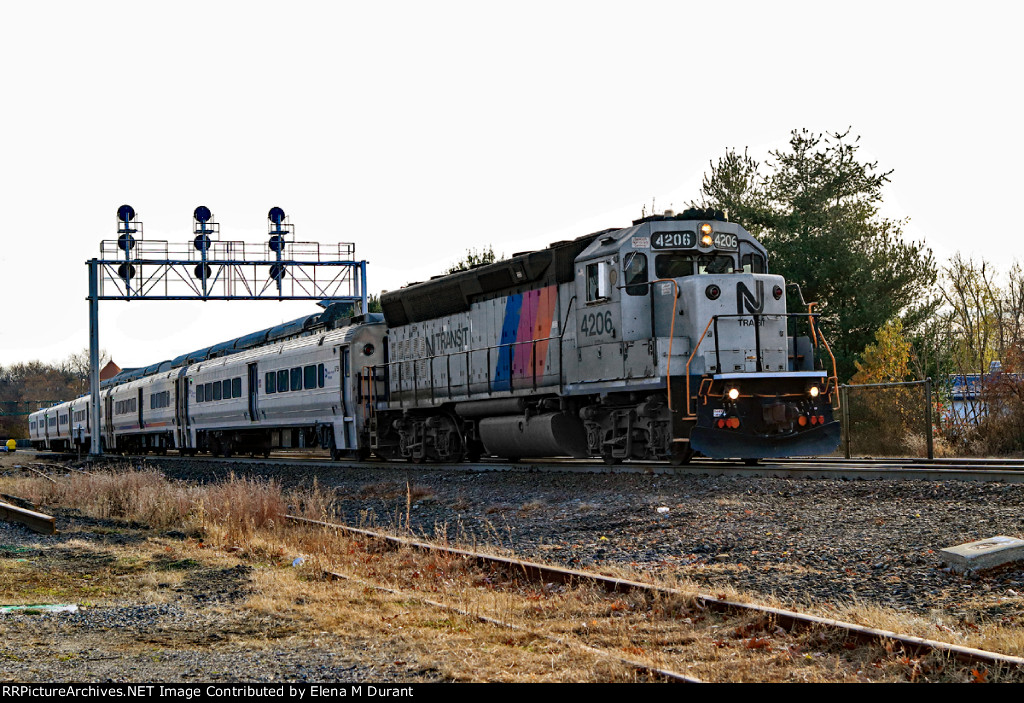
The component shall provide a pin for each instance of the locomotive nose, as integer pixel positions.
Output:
(778, 416)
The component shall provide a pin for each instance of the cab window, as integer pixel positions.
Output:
(714, 263)
(634, 272)
(597, 281)
(673, 265)
(753, 263)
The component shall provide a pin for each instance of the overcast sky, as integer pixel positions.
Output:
(420, 129)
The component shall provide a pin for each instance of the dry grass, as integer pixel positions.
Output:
(239, 520)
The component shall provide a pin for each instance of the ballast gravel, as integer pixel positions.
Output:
(800, 541)
(803, 541)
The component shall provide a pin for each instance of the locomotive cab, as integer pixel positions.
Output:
(678, 314)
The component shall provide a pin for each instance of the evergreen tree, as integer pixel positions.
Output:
(472, 259)
(815, 208)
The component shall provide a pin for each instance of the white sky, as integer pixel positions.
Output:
(420, 129)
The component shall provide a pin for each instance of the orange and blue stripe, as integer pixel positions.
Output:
(528, 317)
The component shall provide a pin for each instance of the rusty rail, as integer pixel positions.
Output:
(37, 522)
(788, 618)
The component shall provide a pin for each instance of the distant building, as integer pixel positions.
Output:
(109, 371)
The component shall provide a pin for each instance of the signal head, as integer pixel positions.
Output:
(126, 213)
(202, 214)
(276, 215)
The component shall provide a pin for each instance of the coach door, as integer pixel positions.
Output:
(254, 385)
(142, 423)
(108, 419)
(181, 419)
(348, 439)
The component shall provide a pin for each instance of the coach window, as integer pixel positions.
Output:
(216, 390)
(715, 263)
(673, 265)
(320, 375)
(753, 263)
(227, 389)
(271, 384)
(282, 381)
(236, 387)
(309, 377)
(200, 393)
(297, 378)
(634, 271)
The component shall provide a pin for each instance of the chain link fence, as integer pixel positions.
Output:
(888, 419)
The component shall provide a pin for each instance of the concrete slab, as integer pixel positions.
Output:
(984, 554)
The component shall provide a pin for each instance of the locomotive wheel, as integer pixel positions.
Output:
(680, 455)
(610, 459)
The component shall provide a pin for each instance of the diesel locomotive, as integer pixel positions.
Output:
(662, 340)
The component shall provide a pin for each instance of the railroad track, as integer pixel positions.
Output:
(999, 470)
(736, 615)
(912, 649)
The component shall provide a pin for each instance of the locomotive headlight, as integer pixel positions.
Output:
(706, 240)
(813, 392)
(734, 393)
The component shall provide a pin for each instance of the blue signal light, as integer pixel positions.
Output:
(276, 215)
(202, 214)
(126, 213)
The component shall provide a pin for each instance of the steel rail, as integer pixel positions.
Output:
(37, 522)
(825, 468)
(668, 675)
(788, 618)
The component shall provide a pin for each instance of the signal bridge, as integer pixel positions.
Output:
(209, 268)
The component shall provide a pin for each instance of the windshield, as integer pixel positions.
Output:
(715, 263)
(673, 265)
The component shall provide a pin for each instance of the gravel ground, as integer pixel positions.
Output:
(199, 635)
(800, 540)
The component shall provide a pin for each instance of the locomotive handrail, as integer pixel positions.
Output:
(671, 326)
(818, 334)
(467, 354)
(671, 332)
(692, 354)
